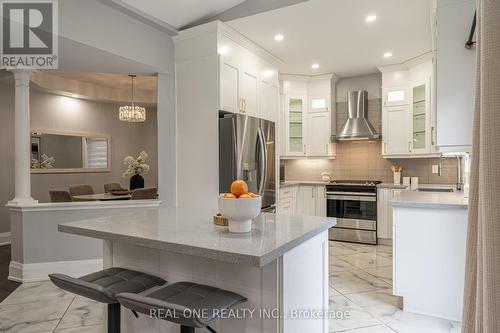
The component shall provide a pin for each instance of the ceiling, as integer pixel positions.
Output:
(334, 34)
(109, 80)
(182, 13)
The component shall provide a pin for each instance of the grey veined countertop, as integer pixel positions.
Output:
(439, 200)
(192, 232)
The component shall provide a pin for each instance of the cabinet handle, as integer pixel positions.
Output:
(433, 132)
(312, 193)
(409, 146)
(304, 149)
(241, 105)
(245, 105)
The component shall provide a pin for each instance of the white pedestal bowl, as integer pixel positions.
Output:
(240, 212)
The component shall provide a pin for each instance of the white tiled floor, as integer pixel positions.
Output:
(361, 285)
(360, 288)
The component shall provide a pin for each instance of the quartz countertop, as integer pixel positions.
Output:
(192, 232)
(439, 200)
(302, 182)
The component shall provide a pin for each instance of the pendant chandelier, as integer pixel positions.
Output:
(132, 113)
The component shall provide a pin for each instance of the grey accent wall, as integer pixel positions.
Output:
(60, 113)
(371, 83)
(363, 160)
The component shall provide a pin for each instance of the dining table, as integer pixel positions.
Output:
(102, 197)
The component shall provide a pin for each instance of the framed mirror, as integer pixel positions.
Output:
(69, 152)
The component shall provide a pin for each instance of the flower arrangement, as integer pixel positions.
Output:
(45, 162)
(135, 166)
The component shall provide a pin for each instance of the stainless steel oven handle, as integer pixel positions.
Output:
(357, 194)
(350, 198)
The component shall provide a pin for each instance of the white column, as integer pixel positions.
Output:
(22, 153)
(167, 160)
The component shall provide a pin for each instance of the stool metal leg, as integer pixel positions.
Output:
(114, 318)
(187, 329)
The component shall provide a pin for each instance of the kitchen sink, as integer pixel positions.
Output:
(434, 189)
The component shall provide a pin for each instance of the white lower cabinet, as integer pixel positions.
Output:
(384, 212)
(309, 200)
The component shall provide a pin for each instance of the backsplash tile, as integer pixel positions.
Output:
(363, 160)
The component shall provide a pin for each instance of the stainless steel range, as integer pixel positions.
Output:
(354, 204)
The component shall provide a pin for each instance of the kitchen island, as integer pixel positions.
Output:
(281, 266)
(429, 239)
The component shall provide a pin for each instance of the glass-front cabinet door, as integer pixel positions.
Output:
(419, 119)
(295, 111)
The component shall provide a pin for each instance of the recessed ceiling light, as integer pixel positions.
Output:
(74, 95)
(314, 66)
(370, 18)
(279, 37)
(387, 55)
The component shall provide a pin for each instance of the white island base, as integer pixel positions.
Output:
(295, 281)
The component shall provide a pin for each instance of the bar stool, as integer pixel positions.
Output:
(182, 303)
(102, 286)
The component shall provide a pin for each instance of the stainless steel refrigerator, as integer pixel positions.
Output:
(247, 151)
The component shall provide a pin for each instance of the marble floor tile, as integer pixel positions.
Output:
(380, 304)
(336, 264)
(82, 312)
(371, 329)
(348, 315)
(405, 322)
(337, 248)
(367, 260)
(32, 317)
(383, 273)
(83, 329)
(37, 292)
(355, 281)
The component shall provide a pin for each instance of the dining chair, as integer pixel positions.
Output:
(80, 190)
(59, 196)
(144, 193)
(111, 186)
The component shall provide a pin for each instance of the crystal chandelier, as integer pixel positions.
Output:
(132, 113)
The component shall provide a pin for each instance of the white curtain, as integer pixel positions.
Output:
(482, 279)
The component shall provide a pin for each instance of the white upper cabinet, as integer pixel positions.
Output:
(408, 116)
(395, 133)
(228, 87)
(318, 133)
(307, 115)
(295, 119)
(269, 99)
(247, 83)
(248, 94)
(455, 75)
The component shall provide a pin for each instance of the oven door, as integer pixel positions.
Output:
(356, 215)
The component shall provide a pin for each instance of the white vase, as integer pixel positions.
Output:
(397, 178)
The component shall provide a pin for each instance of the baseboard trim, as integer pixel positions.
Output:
(5, 238)
(39, 271)
(384, 241)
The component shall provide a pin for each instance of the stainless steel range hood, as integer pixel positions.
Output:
(357, 126)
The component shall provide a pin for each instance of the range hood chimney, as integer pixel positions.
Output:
(357, 126)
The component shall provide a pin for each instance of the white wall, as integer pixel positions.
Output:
(60, 113)
(94, 24)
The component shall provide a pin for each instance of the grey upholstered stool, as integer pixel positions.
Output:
(182, 303)
(103, 286)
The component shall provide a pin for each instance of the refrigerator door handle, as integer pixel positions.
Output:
(263, 161)
(235, 146)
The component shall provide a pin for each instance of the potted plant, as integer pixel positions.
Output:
(136, 167)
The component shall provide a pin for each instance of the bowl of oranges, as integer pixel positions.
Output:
(240, 207)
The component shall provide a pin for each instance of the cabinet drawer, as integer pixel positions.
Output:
(286, 206)
(286, 192)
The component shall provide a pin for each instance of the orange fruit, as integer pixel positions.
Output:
(252, 195)
(245, 196)
(229, 196)
(239, 187)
